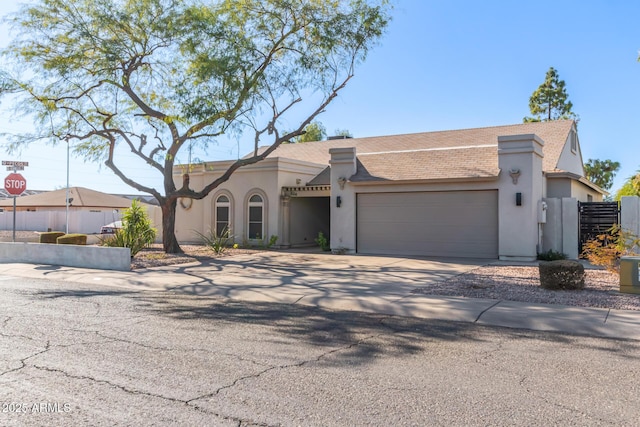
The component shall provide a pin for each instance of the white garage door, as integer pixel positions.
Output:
(452, 224)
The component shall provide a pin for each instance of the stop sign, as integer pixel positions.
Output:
(15, 184)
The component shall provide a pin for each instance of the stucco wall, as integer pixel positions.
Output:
(265, 178)
(558, 187)
(99, 257)
(560, 232)
(571, 160)
(581, 192)
(518, 225)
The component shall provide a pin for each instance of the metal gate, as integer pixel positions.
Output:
(596, 218)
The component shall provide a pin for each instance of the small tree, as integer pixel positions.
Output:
(607, 249)
(136, 232)
(550, 100)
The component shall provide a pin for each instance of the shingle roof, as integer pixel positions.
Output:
(465, 153)
(82, 197)
(428, 164)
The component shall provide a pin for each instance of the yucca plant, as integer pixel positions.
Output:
(217, 242)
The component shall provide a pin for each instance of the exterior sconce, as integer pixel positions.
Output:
(518, 199)
(341, 181)
(515, 174)
(338, 201)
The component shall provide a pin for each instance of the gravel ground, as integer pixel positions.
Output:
(155, 256)
(515, 283)
(512, 283)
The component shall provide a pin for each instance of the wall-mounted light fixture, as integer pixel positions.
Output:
(341, 181)
(515, 174)
(338, 201)
(518, 199)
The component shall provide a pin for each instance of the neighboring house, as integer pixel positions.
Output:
(477, 193)
(88, 210)
(5, 195)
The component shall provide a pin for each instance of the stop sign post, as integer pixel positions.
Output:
(15, 185)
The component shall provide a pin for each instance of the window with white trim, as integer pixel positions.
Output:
(223, 213)
(256, 217)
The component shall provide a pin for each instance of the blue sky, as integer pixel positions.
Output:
(450, 65)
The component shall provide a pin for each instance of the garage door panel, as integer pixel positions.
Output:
(458, 223)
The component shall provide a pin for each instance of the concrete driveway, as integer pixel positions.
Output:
(282, 276)
(301, 277)
(375, 284)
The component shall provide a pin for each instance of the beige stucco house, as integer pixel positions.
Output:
(481, 193)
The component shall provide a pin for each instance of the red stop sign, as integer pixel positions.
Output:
(15, 184)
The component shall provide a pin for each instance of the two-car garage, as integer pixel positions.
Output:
(447, 223)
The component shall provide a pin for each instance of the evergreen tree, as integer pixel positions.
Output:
(550, 100)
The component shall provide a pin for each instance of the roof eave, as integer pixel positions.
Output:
(425, 181)
(576, 177)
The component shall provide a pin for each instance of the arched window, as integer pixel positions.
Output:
(223, 215)
(256, 217)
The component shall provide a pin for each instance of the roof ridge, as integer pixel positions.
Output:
(432, 131)
(419, 150)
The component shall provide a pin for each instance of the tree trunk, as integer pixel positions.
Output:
(169, 242)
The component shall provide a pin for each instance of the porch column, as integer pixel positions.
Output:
(519, 194)
(285, 205)
(343, 200)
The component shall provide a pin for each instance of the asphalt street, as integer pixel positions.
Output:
(77, 354)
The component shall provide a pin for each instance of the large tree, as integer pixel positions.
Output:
(601, 172)
(550, 100)
(155, 76)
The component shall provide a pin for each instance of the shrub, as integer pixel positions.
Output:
(551, 255)
(72, 239)
(50, 236)
(116, 240)
(322, 241)
(561, 274)
(266, 244)
(136, 232)
(218, 243)
(606, 249)
(272, 241)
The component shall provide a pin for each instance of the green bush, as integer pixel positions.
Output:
(72, 239)
(136, 232)
(551, 255)
(322, 241)
(218, 243)
(50, 236)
